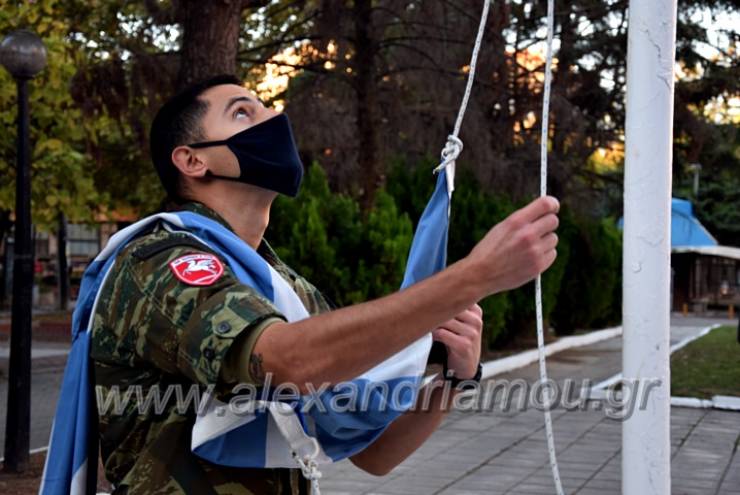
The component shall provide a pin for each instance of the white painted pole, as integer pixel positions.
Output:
(646, 446)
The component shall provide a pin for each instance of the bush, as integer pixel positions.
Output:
(591, 292)
(349, 256)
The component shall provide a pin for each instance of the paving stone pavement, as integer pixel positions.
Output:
(498, 452)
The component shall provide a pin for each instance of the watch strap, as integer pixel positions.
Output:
(455, 381)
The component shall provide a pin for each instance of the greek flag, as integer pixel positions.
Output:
(269, 433)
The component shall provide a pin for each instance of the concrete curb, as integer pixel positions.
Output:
(36, 353)
(510, 363)
(688, 340)
(32, 451)
(724, 402)
(598, 389)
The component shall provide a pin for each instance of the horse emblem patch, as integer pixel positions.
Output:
(197, 269)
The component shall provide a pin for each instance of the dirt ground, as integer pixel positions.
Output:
(28, 482)
(25, 483)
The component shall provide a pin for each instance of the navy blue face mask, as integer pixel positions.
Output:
(267, 156)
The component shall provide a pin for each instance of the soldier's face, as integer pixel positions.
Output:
(231, 109)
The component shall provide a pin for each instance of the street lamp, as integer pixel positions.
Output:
(23, 54)
(696, 168)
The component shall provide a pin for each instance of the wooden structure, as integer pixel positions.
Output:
(705, 277)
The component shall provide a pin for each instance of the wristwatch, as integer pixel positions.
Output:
(455, 381)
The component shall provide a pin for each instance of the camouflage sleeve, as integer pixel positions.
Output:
(241, 365)
(185, 318)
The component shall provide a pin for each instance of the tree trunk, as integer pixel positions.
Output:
(561, 119)
(503, 74)
(366, 101)
(210, 38)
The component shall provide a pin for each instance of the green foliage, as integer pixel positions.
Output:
(62, 172)
(717, 208)
(719, 183)
(591, 289)
(349, 256)
(386, 244)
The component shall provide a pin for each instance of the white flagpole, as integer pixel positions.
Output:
(646, 446)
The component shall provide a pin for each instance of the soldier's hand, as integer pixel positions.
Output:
(518, 249)
(462, 336)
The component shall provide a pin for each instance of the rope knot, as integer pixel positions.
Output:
(453, 148)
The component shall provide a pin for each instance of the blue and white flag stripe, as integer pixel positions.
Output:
(266, 437)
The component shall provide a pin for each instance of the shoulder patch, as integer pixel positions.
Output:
(198, 269)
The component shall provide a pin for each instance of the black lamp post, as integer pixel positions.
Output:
(23, 54)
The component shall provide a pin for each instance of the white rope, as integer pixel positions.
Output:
(310, 471)
(454, 145)
(304, 449)
(544, 138)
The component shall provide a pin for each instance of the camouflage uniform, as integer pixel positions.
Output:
(152, 330)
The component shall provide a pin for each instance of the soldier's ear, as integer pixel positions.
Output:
(190, 162)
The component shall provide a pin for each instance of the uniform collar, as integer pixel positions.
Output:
(202, 209)
(264, 248)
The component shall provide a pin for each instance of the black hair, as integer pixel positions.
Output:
(178, 122)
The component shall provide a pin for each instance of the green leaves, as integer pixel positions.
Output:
(324, 237)
(62, 171)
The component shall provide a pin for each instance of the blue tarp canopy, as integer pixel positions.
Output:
(686, 229)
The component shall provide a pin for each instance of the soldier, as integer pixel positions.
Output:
(172, 312)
